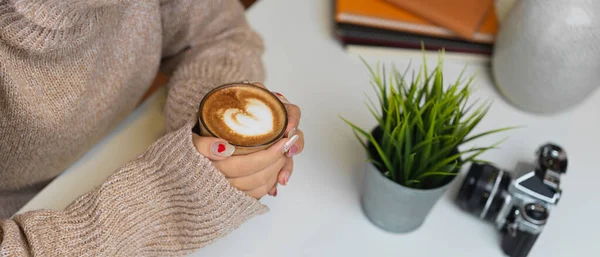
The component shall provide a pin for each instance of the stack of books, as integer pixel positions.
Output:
(465, 26)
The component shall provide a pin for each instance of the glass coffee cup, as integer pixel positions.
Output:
(245, 114)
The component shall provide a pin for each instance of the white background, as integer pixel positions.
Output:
(319, 213)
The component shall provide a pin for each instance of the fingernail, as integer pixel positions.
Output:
(282, 98)
(275, 194)
(286, 179)
(293, 150)
(290, 143)
(292, 132)
(222, 149)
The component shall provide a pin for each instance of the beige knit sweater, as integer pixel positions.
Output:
(70, 70)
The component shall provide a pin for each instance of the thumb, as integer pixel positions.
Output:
(215, 149)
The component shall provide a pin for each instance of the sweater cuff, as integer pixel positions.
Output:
(169, 200)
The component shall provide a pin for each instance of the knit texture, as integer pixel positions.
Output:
(70, 71)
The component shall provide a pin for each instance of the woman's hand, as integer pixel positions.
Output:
(293, 133)
(256, 173)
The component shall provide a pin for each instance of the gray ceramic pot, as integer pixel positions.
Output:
(393, 207)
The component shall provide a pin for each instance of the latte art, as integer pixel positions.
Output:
(256, 119)
(243, 114)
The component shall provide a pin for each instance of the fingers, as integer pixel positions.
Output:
(282, 98)
(244, 165)
(293, 118)
(273, 191)
(269, 186)
(259, 179)
(292, 110)
(212, 148)
(293, 113)
(286, 172)
(298, 145)
(259, 192)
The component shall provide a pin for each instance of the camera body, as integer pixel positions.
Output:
(519, 207)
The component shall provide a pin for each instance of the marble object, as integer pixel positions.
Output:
(547, 54)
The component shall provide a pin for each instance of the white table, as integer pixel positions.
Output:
(318, 213)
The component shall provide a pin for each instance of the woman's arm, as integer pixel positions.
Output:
(206, 44)
(169, 201)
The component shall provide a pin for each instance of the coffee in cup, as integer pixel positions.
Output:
(247, 116)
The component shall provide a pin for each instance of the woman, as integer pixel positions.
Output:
(72, 70)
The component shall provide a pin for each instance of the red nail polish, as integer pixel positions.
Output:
(282, 98)
(221, 148)
(275, 194)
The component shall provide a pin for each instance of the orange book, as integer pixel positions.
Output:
(461, 16)
(385, 15)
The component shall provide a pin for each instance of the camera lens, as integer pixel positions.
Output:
(484, 191)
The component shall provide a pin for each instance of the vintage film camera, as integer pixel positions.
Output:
(518, 207)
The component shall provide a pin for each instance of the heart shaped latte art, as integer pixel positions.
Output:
(255, 119)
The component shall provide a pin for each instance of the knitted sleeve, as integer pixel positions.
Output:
(205, 45)
(169, 201)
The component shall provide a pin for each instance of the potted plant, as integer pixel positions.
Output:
(415, 149)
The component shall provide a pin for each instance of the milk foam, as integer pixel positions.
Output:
(255, 120)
